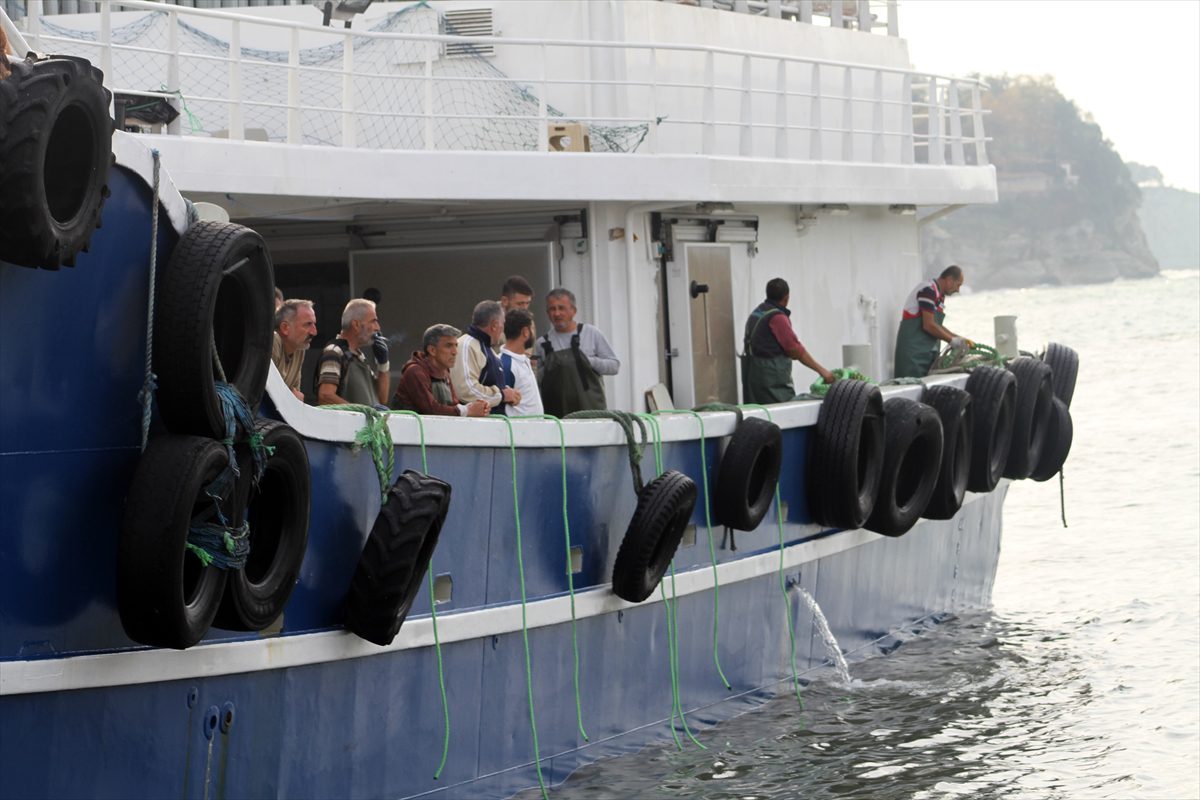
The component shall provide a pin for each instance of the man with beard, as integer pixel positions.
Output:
(343, 375)
(295, 327)
(518, 370)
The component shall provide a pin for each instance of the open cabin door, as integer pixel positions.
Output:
(703, 330)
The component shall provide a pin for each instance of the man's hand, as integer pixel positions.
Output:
(827, 376)
(477, 408)
(959, 343)
(299, 395)
(511, 395)
(379, 348)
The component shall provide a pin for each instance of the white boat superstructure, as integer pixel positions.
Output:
(721, 148)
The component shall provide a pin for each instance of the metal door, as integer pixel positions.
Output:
(713, 335)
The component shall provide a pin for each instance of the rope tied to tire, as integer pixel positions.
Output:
(787, 603)
(672, 610)
(512, 449)
(712, 549)
(219, 545)
(376, 436)
(562, 449)
(150, 382)
(626, 420)
(437, 642)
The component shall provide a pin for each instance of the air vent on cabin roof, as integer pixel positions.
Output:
(469, 22)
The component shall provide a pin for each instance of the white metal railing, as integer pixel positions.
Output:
(751, 103)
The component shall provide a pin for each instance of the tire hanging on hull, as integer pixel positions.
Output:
(911, 463)
(993, 397)
(396, 556)
(1059, 434)
(1035, 395)
(748, 474)
(846, 455)
(953, 406)
(55, 154)
(217, 293)
(277, 509)
(664, 507)
(166, 596)
(1064, 362)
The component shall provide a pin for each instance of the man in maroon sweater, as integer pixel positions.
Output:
(425, 378)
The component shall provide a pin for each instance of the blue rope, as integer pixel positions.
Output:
(150, 383)
(220, 545)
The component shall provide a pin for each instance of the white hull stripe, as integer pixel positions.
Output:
(226, 658)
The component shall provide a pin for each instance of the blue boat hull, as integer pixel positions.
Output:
(307, 710)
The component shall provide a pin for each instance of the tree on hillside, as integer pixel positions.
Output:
(1034, 128)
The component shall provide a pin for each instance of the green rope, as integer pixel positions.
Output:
(820, 388)
(672, 610)
(150, 382)
(626, 420)
(562, 448)
(437, 642)
(537, 757)
(978, 355)
(376, 436)
(787, 603)
(1062, 497)
(737, 410)
(712, 548)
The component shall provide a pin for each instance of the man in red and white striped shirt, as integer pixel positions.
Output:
(921, 329)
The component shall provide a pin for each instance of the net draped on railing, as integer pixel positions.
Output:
(475, 106)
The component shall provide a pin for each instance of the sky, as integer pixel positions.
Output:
(1134, 66)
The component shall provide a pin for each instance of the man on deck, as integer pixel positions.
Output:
(343, 375)
(295, 327)
(921, 330)
(574, 356)
(425, 378)
(770, 345)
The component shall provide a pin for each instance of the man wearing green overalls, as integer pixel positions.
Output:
(769, 347)
(921, 330)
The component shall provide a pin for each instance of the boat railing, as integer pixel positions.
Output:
(388, 89)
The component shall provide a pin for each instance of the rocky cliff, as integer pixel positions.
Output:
(1068, 209)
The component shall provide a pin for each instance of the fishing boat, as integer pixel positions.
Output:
(211, 588)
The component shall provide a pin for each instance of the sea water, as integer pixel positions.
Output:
(1083, 679)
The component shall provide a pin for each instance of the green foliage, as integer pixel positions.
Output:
(1037, 132)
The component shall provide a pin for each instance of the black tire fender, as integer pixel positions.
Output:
(993, 399)
(1035, 396)
(1064, 364)
(165, 596)
(846, 455)
(911, 463)
(396, 556)
(277, 509)
(664, 507)
(953, 406)
(1059, 434)
(55, 154)
(748, 474)
(205, 295)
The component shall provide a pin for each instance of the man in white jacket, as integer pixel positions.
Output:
(518, 369)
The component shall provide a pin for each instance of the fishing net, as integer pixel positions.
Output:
(474, 105)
